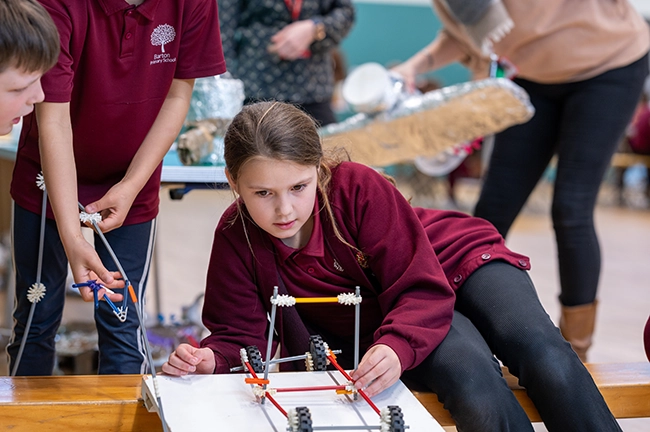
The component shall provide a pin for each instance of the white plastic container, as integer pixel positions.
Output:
(371, 88)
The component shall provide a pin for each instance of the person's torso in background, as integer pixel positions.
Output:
(558, 41)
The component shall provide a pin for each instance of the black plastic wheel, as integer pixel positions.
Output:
(318, 353)
(255, 358)
(396, 419)
(304, 420)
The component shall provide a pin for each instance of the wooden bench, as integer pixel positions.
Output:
(625, 387)
(75, 403)
(621, 161)
(626, 160)
(114, 402)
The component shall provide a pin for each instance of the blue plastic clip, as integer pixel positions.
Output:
(94, 286)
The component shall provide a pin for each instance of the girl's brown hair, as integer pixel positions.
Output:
(29, 40)
(278, 130)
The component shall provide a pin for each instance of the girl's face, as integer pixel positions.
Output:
(280, 197)
(19, 91)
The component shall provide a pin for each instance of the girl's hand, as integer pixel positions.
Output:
(189, 360)
(114, 206)
(379, 369)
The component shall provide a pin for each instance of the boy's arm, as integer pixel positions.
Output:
(57, 159)
(115, 205)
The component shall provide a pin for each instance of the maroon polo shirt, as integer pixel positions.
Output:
(315, 271)
(116, 66)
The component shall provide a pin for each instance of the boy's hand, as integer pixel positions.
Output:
(187, 359)
(113, 207)
(379, 369)
(86, 265)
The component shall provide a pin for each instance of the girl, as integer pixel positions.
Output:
(441, 293)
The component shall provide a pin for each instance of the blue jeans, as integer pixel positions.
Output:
(499, 314)
(120, 344)
(582, 123)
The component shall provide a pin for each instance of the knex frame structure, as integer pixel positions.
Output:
(317, 359)
(38, 291)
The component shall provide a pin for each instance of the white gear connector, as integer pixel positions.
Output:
(36, 292)
(349, 299)
(385, 420)
(90, 217)
(121, 313)
(40, 181)
(292, 417)
(283, 300)
(328, 352)
(309, 362)
(260, 392)
(350, 387)
(244, 356)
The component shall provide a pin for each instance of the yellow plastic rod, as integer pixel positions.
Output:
(317, 299)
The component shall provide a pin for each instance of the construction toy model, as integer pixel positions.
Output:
(317, 358)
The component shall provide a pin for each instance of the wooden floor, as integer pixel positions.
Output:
(185, 236)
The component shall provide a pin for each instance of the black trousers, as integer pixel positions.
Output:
(581, 122)
(499, 314)
(120, 343)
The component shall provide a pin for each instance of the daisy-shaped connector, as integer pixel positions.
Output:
(349, 299)
(40, 181)
(283, 300)
(90, 217)
(36, 292)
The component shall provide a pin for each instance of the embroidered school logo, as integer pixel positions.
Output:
(161, 36)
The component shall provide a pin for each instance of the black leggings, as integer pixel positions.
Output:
(582, 123)
(498, 313)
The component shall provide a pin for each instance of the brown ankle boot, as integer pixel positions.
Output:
(577, 326)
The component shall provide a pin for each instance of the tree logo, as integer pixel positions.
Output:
(161, 35)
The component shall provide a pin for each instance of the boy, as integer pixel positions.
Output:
(114, 104)
(29, 46)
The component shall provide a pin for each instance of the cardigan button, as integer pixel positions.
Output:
(486, 256)
(523, 263)
(458, 278)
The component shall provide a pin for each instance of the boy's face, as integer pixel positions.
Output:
(19, 91)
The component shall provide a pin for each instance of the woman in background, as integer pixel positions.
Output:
(584, 64)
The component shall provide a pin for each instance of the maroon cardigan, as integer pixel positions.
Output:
(411, 286)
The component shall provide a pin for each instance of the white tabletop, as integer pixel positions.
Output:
(226, 402)
(173, 170)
